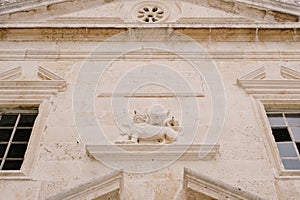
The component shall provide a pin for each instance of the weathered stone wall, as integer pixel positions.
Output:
(62, 160)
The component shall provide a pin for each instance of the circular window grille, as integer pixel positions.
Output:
(151, 13)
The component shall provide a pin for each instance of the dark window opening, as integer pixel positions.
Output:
(8, 120)
(286, 132)
(15, 130)
(298, 147)
(281, 135)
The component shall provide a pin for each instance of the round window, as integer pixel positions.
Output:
(151, 12)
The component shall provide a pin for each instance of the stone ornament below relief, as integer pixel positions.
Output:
(154, 126)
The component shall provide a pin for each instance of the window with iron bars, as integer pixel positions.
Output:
(15, 130)
(286, 132)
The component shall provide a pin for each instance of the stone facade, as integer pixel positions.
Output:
(214, 66)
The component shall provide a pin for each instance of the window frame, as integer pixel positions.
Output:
(262, 105)
(288, 127)
(18, 112)
(31, 154)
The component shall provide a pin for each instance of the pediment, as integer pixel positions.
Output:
(19, 84)
(132, 12)
(105, 187)
(199, 186)
(283, 80)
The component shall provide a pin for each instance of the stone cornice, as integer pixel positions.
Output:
(253, 82)
(36, 90)
(290, 73)
(153, 153)
(254, 10)
(20, 5)
(29, 5)
(14, 55)
(50, 81)
(214, 188)
(11, 74)
(281, 5)
(244, 25)
(199, 34)
(93, 189)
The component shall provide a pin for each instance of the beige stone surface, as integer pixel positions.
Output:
(236, 42)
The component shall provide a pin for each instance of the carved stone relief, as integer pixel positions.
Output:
(155, 126)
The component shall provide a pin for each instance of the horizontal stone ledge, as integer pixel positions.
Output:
(273, 91)
(155, 152)
(147, 52)
(223, 58)
(270, 84)
(35, 83)
(37, 97)
(23, 101)
(14, 175)
(144, 55)
(28, 92)
(151, 95)
(45, 85)
(161, 25)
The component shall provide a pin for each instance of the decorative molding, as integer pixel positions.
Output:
(98, 188)
(152, 153)
(252, 85)
(289, 73)
(236, 25)
(153, 94)
(20, 5)
(214, 20)
(259, 73)
(12, 90)
(281, 5)
(72, 20)
(45, 74)
(255, 9)
(214, 188)
(6, 55)
(11, 74)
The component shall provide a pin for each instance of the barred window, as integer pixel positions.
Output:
(15, 130)
(286, 132)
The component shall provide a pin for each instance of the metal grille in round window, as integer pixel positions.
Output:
(151, 13)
